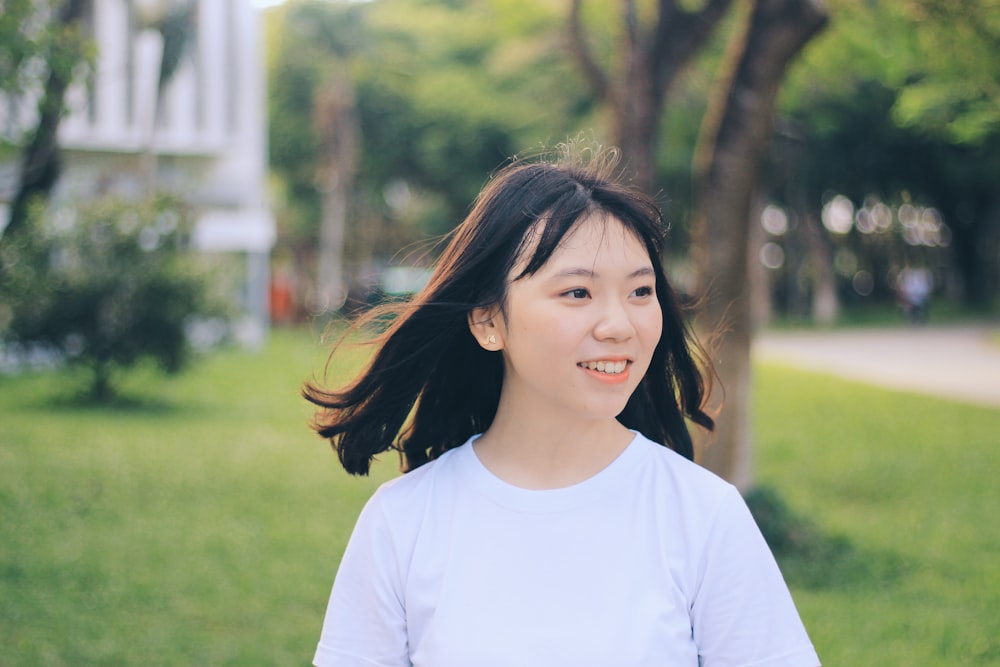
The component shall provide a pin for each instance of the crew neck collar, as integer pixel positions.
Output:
(485, 483)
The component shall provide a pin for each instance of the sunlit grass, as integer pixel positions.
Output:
(200, 522)
(910, 483)
(197, 524)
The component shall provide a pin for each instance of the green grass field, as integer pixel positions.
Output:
(200, 522)
(910, 483)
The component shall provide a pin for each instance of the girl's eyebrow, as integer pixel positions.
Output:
(590, 273)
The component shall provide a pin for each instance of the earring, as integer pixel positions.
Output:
(492, 340)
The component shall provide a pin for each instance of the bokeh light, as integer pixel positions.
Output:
(772, 255)
(774, 220)
(838, 215)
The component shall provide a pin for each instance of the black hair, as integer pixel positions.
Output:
(430, 386)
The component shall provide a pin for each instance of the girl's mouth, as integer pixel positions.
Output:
(607, 367)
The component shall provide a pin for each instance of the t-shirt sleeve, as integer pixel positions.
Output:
(742, 612)
(365, 624)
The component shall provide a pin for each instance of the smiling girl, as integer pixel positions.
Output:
(539, 389)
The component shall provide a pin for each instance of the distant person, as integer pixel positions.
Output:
(914, 288)
(551, 515)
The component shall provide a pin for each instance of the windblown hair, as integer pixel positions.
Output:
(430, 386)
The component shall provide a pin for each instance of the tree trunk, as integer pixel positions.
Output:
(825, 302)
(735, 134)
(636, 132)
(976, 244)
(337, 126)
(101, 389)
(40, 159)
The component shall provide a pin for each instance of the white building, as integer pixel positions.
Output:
(202, 136)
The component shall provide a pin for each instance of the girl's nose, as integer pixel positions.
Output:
(614, 322)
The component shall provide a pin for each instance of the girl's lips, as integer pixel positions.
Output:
(619, 370)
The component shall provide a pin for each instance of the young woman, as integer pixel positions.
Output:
(539, 390)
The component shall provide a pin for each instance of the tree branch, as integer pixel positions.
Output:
(632, 38)
(679, 35)
(596, 78)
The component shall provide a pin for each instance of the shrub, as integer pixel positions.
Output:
(104, 285)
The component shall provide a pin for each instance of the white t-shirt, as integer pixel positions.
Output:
(654, 561)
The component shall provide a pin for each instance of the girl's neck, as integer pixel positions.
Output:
(549, 453)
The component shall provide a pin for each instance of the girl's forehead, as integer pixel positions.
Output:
(597, 229)
(590, 231)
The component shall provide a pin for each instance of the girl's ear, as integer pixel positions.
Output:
(484, 327)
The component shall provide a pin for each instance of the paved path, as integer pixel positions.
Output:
(958, 362)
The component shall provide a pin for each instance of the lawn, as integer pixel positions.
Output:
(200, 522)
(906, 488)
(196, 524)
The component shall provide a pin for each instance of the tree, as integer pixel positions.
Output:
(63, 50)
(105, 285)
(314, 136)
(442, 92)
(956, 91)
(335, 116)
(21, 44)
(736, 132)
(651, 54)
(902, 101)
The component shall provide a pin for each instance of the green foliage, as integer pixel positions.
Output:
(104, 285)
(445, 92)
(938, 57)
(901, 100)
(895, 99)
(18, 44)
(31, 46)
(957, 91)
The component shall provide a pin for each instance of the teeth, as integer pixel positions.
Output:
(609, 367)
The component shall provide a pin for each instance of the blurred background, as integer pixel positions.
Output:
(207, 184)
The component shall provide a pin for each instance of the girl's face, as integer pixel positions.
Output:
(578, 335)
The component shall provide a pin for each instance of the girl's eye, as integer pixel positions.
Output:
(578, 293)
(644, 291)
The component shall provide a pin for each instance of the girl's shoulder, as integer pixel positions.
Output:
(407, 490)
(676, 474)
(670, 459)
